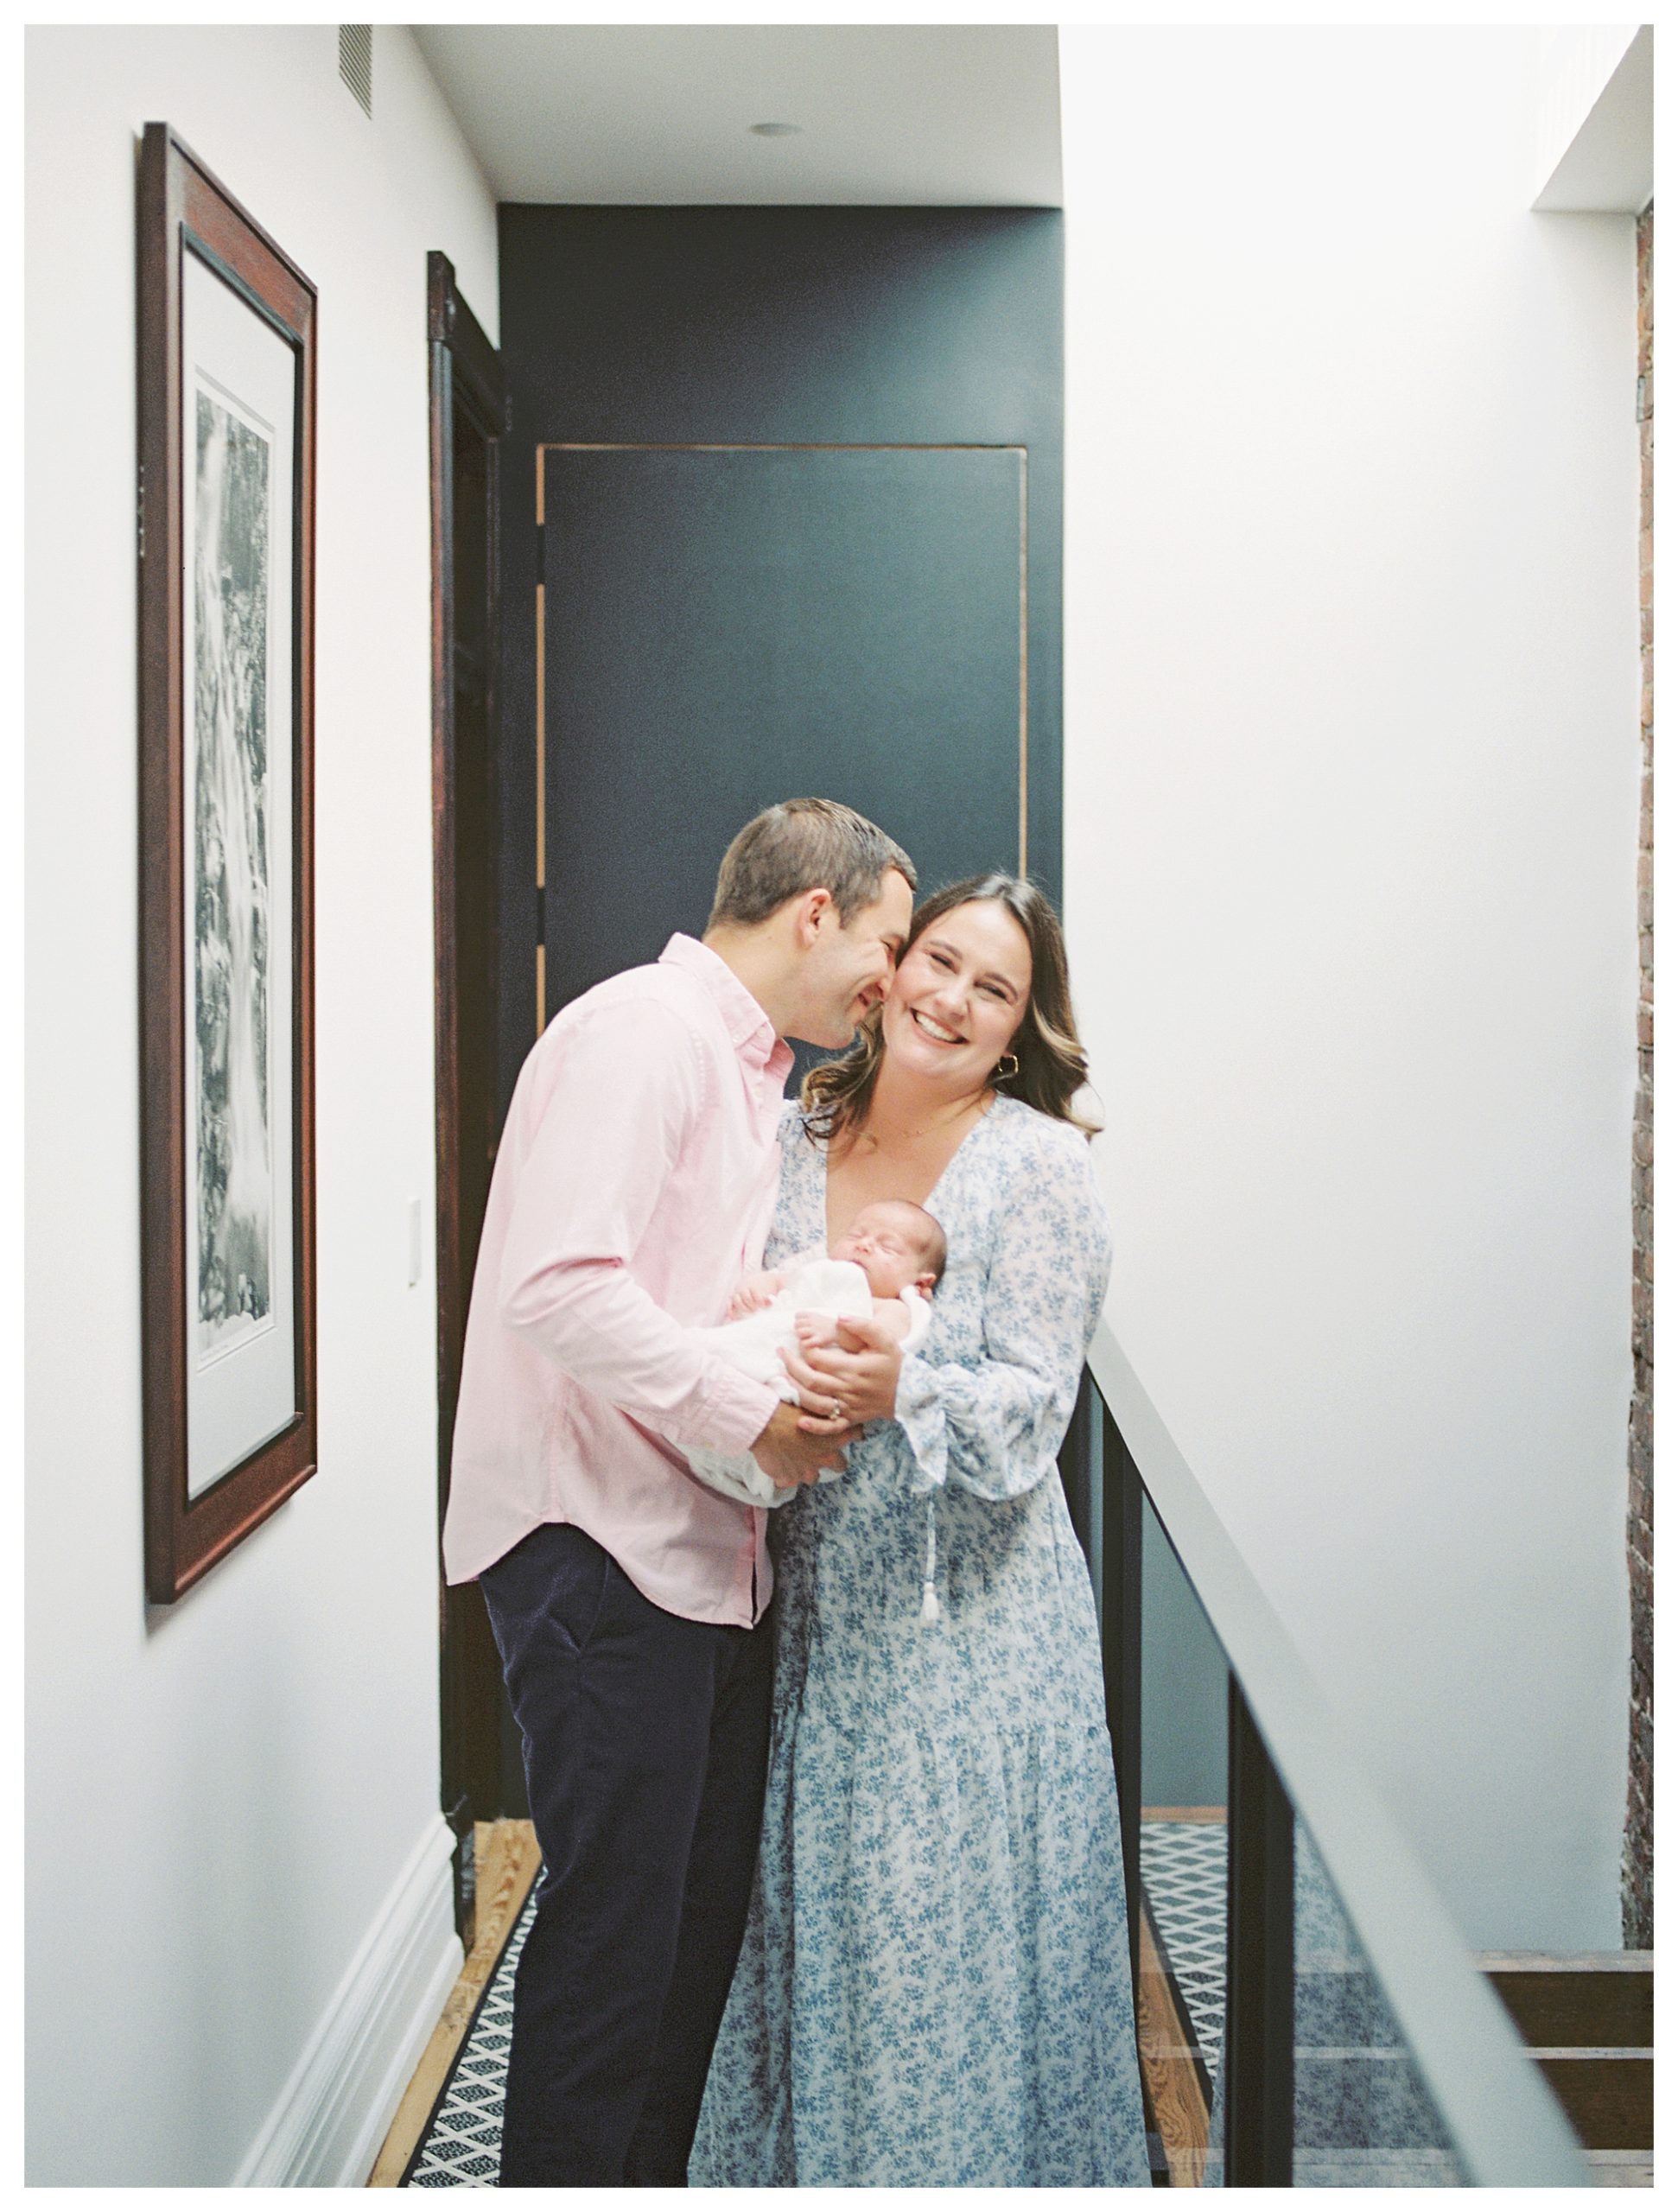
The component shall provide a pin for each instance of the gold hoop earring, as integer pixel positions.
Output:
(1007, 1074)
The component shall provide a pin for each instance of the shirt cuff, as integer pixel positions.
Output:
(731, 1415)
(922, 1420)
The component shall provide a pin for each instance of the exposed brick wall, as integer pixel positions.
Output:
(1637, 1891)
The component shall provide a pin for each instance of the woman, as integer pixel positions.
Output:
(935, 1984)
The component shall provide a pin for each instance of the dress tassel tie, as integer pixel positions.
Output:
(929, 1592)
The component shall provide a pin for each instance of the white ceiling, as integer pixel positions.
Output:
(1606, 165)
(892, 115)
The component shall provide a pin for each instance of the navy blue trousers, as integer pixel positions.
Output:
(646, 1746)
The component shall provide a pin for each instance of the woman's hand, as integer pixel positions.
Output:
(856, 1377)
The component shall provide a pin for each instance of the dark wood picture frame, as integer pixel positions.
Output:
(184, 211)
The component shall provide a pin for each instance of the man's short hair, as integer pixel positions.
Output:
(805, 844)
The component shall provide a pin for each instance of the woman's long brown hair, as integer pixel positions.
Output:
(1054, 1067)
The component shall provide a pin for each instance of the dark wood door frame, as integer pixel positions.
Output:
(466, 387)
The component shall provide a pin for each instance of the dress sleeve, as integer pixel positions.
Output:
(994, 1426)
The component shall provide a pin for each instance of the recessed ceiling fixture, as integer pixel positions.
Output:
(775, 130)
(355, 62)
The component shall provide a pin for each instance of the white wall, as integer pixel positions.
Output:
(224, 1796)
(1351, 775)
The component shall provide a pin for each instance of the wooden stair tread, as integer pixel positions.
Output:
(1587, 2018)
(1608, 2096)
(1621, 2169)
(1589, 2000)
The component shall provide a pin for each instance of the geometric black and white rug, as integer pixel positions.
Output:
(461, 2145)
(1185, 1876)
(1183, 1872)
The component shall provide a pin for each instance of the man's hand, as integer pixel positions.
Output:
(853, 1380)
(790, 1455)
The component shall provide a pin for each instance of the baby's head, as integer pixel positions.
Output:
(896, 1244)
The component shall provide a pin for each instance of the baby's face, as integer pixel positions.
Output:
(890, 1245)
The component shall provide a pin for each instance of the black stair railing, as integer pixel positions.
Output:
(1340, 2034)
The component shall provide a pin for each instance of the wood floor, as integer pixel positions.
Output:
(1176, 2099)
(507, 1860)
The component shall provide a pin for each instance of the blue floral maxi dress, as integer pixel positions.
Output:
(934, 1987)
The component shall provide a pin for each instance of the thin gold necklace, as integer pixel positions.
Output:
(974, 1111)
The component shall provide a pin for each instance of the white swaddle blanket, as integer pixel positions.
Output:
(815, 1284)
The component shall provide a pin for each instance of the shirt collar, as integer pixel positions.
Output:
(750, 1030)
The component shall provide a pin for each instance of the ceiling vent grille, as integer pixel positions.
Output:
(355, 60)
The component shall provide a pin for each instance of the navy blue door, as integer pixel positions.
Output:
(788, 520)
(726, 626)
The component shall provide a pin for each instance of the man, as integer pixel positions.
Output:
(634, 1186)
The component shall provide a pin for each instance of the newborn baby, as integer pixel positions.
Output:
(887, 1264)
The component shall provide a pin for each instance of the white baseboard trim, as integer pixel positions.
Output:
(326, 2129)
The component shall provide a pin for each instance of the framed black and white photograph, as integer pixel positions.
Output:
(226, 386)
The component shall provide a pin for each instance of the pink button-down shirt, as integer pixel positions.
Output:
(633, 1186)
